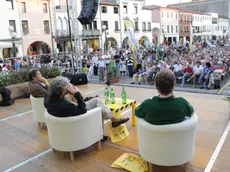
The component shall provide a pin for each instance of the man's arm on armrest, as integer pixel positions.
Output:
(139, 111)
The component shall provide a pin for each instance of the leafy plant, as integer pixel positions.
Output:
(227, 99)
(23, 75)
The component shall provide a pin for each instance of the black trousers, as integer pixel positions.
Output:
(95, 70)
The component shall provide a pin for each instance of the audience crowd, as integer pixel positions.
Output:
(206, 64)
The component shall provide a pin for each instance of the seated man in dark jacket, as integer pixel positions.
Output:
(38, 85)
(164, 108)
(57, 105)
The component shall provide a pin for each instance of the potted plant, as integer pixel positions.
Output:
(112, 73)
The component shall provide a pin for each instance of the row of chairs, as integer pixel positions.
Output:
(165, 145)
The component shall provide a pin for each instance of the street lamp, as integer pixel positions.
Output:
(13, 36)
(106, 31)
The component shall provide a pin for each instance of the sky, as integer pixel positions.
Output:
(166, 2)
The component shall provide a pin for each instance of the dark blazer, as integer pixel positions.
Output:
(37, 89)
(61, 107)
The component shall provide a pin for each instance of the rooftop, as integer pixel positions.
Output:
(109, 2)
(195, 2)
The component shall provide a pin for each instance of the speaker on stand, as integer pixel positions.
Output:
(88, 12)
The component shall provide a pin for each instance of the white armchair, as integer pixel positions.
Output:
(167, 145)
(75, 133)
(38, 110)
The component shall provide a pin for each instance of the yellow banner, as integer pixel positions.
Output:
(130, 30)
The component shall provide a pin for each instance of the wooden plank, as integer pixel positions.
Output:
(33, 167)
(17, 146)
(21, 139)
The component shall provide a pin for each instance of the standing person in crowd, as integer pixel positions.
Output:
(101, 69)
(5, 71)
(122, 68)
(90, 72)
(95, 67)
(130, 66)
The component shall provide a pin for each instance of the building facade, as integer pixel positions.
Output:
(222, 7)
(223, 26)
(206, 26)
(36, 26)
(185, 25)
(169, 23)
(9, 17)
(197, 26)
(140, 17)
(110, 16)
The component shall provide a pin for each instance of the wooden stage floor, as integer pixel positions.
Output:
(24, 147)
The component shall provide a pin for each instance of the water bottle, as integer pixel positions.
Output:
(106, 95)
(112, 96)
(123, 96)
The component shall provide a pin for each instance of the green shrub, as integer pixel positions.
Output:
(23, 75)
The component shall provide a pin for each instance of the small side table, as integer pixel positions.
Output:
(117, 107)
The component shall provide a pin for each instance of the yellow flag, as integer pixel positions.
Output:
(130, 29)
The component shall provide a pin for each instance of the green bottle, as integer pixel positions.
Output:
(123, 96)
(106, 95)
(112, 96)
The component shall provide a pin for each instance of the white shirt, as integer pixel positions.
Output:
(177, 67)
(101, 63)
(94, 59)
(5, 71)
(197, 70)
(122, 66)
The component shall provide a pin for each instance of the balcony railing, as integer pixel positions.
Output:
(91, 33)
(62, 33)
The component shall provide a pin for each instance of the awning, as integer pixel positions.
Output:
(5, 45)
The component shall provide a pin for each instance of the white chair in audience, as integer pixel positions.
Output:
(75, 133)
(38, 110)
(167, 145)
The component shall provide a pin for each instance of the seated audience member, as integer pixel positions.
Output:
(139, 75)
(188, 71)
(6, 98)
(215, 76)
(156, 70)
(164, 108)
(197, 71)
(57, 105)
(178, 69)
(148, 71)
(204, 78)
(38, 85)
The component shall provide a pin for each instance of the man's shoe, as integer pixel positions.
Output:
(117, 123)
(104, 138)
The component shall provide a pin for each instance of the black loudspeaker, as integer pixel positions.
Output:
(6, 98)
(77, 79)
(88, 11)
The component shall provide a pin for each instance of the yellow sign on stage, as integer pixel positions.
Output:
(117, 134)
(131, 162)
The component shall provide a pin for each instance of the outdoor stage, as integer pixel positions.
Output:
(24, 147)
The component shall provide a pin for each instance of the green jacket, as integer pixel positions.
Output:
(162, 111)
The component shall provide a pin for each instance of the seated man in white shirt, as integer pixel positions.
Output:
(178, 69)
(197, 70)
(215, 77)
